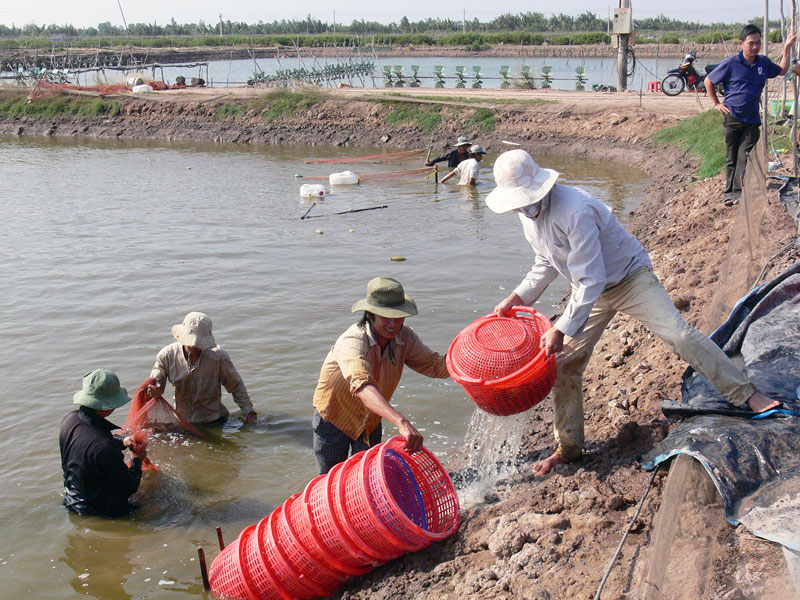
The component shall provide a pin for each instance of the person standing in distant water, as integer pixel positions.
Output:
(469, 169)
(96, 479)
(362, 371)
(743, 77)
(197, 367)
(454, 157)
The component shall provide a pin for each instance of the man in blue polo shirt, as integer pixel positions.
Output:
(743, 77)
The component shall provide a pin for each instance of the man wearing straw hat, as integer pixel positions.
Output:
(96, 479)
(575, 235)
(455, 156)
(361, 372)
(197, 368)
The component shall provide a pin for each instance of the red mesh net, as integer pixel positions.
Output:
(43, 88)
(378, 158)
(154, 414)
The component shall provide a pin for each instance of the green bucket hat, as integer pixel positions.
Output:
(101, 391)
(385, 297)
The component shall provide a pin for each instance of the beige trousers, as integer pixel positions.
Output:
(641, 296)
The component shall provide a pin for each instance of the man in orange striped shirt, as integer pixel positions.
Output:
(361, 372)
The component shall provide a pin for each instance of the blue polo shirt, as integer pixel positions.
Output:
(743, 84)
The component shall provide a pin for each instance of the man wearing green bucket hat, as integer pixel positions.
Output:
(96, 479)
(361, 372)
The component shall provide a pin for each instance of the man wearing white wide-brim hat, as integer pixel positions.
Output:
(575, 235)
(197, 368)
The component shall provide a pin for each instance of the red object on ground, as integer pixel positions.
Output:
(499, 363)
(367, 510)
(654, 86)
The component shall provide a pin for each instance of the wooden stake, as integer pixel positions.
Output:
(220, 540)
(201, 556)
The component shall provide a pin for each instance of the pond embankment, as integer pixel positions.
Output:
(548, 537)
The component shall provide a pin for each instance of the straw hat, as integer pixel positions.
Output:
(195, 331)
(462, 141)
(385, 297)
(101, 391)
(520, 181)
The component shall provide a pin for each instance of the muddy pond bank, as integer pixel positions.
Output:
(534, 537)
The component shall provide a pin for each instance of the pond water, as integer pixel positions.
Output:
(107, 244)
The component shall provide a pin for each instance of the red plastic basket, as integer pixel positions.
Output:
(392, 517)
(498, 361)
(226, 576)
(295, 583)
(362, 516)
(265, 584)
(295, 540)
(412, 494)
(336, 488)
(330, 543)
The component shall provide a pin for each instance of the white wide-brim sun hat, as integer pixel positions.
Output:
(520, 181)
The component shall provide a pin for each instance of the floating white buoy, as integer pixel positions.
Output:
(319, 231)
(344, 178)
(312, 190)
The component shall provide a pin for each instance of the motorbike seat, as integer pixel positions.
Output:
(710, 68)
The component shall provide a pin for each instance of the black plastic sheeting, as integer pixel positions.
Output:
(754, 463)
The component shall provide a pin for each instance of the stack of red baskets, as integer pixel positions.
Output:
(499, 363)
(374, 507)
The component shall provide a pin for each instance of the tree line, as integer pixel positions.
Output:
(535, 22)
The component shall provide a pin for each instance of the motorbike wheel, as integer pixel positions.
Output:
(672, 85)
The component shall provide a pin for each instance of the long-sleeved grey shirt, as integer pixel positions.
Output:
(198, 396)
(576, 235)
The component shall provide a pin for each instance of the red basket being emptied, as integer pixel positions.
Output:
(498, 361)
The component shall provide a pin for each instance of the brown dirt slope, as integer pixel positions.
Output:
(552, 537)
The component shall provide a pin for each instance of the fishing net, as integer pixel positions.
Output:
(747, 251)
(380, 158)
(384, 175)
(44, 88)
(154, 414)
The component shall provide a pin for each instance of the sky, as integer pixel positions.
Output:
(83, 13)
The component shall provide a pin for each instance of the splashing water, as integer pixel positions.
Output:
(493, 445)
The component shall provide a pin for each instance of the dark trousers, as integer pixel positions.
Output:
(739, 139)
(332, 446)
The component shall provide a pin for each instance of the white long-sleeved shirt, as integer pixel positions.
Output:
(577, 236)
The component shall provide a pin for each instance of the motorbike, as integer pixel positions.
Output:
(685, 77)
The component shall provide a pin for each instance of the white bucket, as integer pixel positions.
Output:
(312, 190)
(134, 80)
(345, 178)
(141, 89)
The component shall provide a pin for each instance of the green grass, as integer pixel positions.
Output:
(702, 137)
(12, 104)
(228, 111)
(483, 120)
(284, 102)
(426, 117)
(531, 101)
